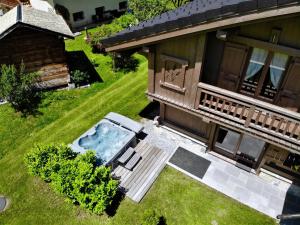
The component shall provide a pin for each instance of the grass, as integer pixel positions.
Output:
(64, 115)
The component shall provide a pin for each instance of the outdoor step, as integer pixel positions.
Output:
(133, 161)
(126, 156)
(150, 180)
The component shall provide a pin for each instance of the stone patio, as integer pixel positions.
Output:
(265, 193)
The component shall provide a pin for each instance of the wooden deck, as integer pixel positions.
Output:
(136, 183)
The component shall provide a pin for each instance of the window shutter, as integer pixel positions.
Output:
(289, 94)
(233, 62)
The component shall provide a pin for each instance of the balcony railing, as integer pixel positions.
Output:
(275, 124)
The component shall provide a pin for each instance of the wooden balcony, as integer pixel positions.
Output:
(268, 122)
(274, 124)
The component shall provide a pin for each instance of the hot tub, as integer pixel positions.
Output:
(108, 139)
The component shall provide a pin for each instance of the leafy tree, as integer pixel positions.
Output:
(19, 88)
(178, 3)
(146, 9)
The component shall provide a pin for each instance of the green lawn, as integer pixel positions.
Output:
(64, 115)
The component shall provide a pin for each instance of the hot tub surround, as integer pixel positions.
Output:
(108, 138)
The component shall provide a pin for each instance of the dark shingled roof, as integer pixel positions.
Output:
(191, 14)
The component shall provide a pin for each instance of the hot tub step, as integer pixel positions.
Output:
(126, 156)
(133, 161)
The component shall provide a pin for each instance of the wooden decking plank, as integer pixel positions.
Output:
(124, 173)
(143, 178)
(143, 181)
(139, 177)
(149, 182)
(129, 174)
(139, 169)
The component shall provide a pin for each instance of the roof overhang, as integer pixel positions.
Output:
(208, 26)
(20, 24)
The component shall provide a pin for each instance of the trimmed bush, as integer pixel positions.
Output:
(75, 176)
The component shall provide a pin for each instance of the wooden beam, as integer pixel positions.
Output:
(265, 45)
(230, 22)
(151, 70)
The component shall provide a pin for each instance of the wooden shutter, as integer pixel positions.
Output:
(233, 62)
(289, 94)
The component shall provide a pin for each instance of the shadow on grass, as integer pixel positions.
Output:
(77, 60)
(162, 221)
(112, 209)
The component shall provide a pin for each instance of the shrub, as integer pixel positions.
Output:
(76, 177)
(150, 217)
(107, 30)
(146, 9)
(19, 88)
(125, 61)
(44, 160)
(79, 77)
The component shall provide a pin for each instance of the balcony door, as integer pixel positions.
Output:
(243, 148)
(264, 74)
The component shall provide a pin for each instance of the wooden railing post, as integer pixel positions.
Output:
(197, 99)
(250, 116)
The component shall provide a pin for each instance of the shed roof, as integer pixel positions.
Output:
(192, 14)
(31, 17)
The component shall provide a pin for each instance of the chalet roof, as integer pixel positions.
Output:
(34, 18)
(192, 14)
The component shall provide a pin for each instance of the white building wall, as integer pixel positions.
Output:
(42, 5)
(88, 7)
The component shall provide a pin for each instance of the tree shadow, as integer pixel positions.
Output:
(119, 197)
(162, 221)
(77, 60)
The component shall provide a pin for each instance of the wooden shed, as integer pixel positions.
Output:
(228, 73)
(36, 38)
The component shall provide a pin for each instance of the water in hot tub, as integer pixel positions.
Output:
(107, 141)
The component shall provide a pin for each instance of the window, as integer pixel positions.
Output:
(100, 11)
(78, 16)
(123, 5)
(264, 73)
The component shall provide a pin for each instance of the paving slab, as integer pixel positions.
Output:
(265, 193)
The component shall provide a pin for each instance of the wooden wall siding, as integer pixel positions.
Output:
(290, 31)
(289, 94)
(232, 66)
(186, 121)
(41, 52)
(175, 63)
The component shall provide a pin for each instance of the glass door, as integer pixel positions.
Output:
(242, 148)
(227, 141)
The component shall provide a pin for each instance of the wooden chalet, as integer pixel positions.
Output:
(228, 73)
(36, 38)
